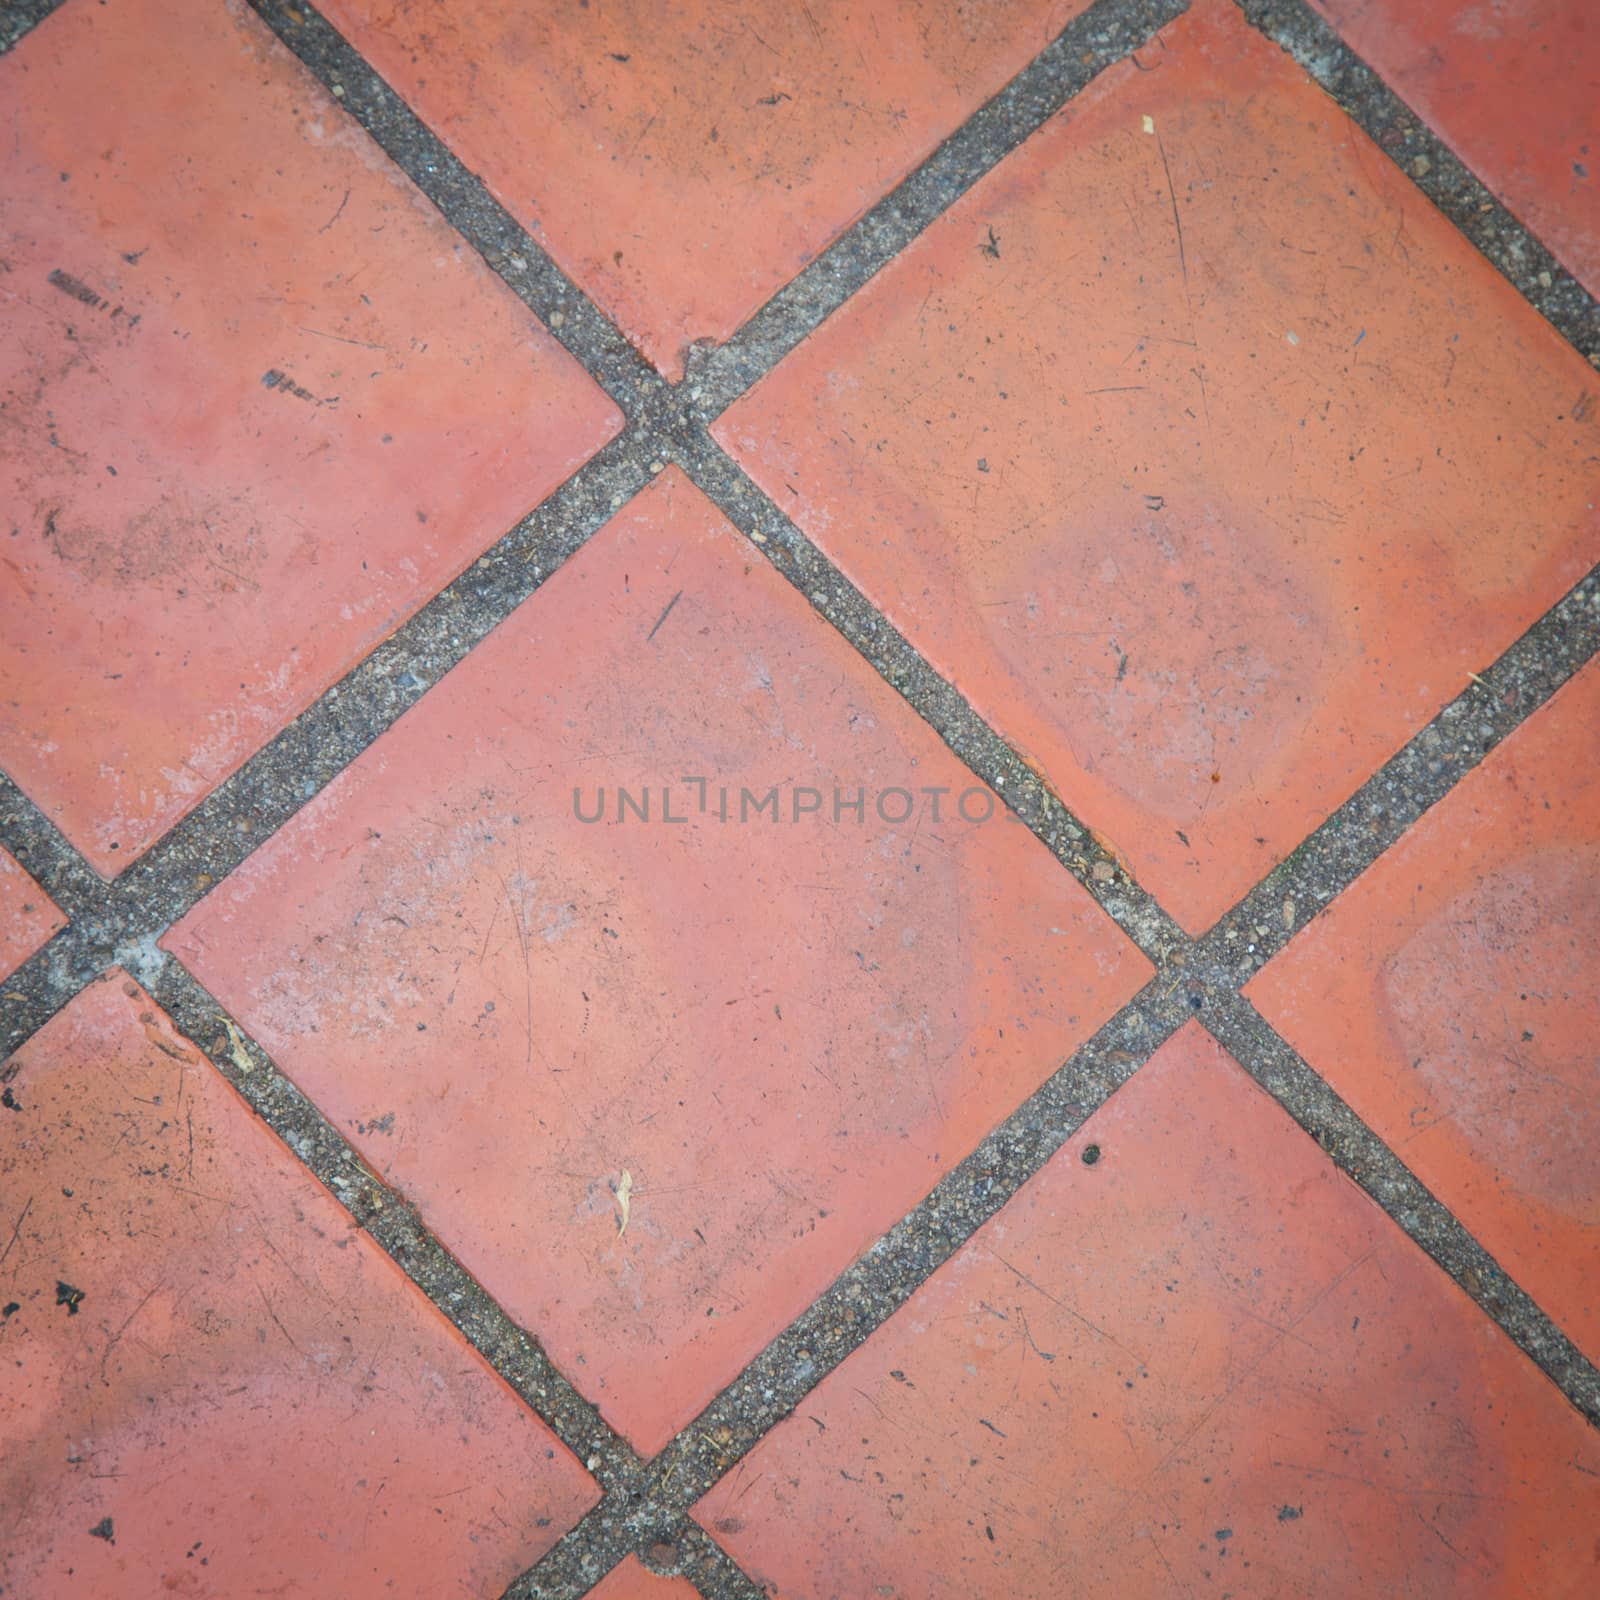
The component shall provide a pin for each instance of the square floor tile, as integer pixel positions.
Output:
(681, 161)
(28, 916)
(216, 1384)
(1198, 451)
(1513, 86)
(1451, 996)
(657, 1082)
(258, 403)
(1203, 1364)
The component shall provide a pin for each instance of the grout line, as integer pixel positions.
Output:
(712, 1571)
(620, 1526)
(602, 1539)
(1413, 780)
(277, 782)
(1107, 32)
(77, 889)
(465, 202)
(1453, 188)
(391, 1221)
(866, 1294)
(75, 955)
(580, 1558)
(289, 771)
(935, 700)
(47, 981)
(1360, 1153)
(891, 1270)
(20, 17)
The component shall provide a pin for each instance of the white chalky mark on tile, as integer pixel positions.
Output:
(624, 1200)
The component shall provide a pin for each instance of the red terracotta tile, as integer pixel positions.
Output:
(28, 916)
(1513, 86)
(683, 161)
(1212, 477)
(1205, 1364)
(215, 1384)
(634, 1581)
(782, 1033)
(1452, 996)
(256, 410)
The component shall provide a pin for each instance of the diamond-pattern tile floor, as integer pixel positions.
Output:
(782, 1028)
(799, 800)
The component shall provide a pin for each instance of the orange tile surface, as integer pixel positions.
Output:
(215, 1385)
(1513, 86)
(1205, 1364)
(632, 1580)
(28, 916)
(255, 410)
(782, 1034)
(1451, 997)
(682, 161)
(1197, 451)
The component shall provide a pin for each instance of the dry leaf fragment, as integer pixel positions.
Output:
(241, 1056)
(624, 1200)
